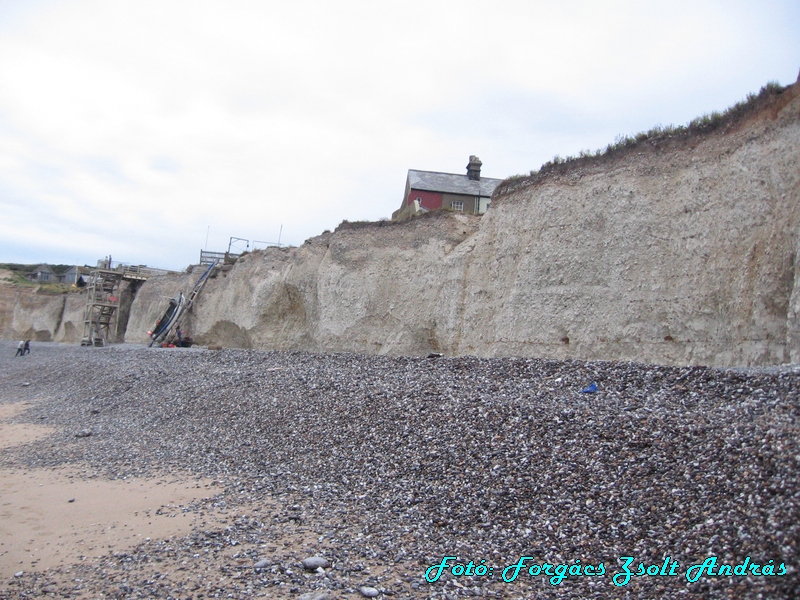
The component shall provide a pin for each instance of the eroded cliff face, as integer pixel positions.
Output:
(677, 251)
(681, 254)
(374, 289)
(674, 255)
(27, 314)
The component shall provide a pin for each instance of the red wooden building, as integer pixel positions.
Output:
(431, 190)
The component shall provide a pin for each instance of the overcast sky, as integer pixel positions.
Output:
(140, 129)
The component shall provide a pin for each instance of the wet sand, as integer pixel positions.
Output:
(53, 517)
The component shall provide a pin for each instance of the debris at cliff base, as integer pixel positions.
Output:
(381, 466)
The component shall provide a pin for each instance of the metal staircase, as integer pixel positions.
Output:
(165, 334)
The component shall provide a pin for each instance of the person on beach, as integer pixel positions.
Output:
(27, 348)
(20, 349)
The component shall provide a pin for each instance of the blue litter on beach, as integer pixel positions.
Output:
(590, 390)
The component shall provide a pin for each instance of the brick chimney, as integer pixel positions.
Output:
(474, 168)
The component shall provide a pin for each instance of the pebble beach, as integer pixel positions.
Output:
(325, 476)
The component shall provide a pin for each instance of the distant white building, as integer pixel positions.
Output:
(43, 274)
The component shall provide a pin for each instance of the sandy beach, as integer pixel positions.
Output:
(55, 517)
(51, 518)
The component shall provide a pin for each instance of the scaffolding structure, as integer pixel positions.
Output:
(102, 303)
(103, 291)
(102, 299)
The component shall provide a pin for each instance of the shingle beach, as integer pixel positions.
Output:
(379, 467)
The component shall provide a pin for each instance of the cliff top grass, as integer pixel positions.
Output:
(15, 274)
(700, 126)
(25, 269)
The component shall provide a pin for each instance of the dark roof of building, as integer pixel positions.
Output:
(450, 183)
(43, 268)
